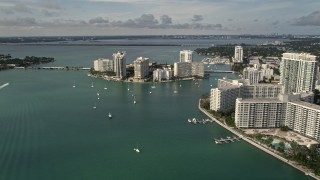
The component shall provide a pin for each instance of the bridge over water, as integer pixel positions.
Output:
(217, 71)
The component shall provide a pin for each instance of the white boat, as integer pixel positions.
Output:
(134, 102)
(105, 87)
(92, 85)
(95, 106)
(136, 150)
(150, 92)
(153, 86)
(180, 85)
(110, 115)
(98, 94)
(74, 84)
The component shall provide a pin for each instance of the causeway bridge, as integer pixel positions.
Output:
(217, 71)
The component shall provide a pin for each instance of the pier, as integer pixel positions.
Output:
(198, 121)
(227, 140)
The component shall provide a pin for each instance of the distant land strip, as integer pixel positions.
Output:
(66, 44)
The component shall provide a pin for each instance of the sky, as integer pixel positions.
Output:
(158, 17)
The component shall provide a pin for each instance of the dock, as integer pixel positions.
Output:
(227, 140)
(200, 121)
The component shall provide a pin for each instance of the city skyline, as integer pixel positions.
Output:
(150, 17)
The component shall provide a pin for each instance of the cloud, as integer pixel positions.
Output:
(275, 23)
(147, 21)
(98, 20)
(165, 20)
(7, 11)
(49, 13)
(21, 8)
(19, 22)
(197, 18)
(313, 19)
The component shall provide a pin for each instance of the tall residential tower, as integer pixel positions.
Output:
(298, 72)
(119, 64)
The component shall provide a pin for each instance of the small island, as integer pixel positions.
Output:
(8, 62)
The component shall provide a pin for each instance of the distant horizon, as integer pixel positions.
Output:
(151, 17)
(170, 35)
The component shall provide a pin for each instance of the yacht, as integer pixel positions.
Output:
(134, 102)
(98, 94)
(94, 107)
(110, 115)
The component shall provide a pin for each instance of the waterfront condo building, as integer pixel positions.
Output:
(298, 72)
(238, 54)
(119, 64)
(103, 65)
(182, 69)
(303, 118)
(141, 68)
(162, 74)
(259, 113)
(197, 69)
(224, 97)
(187, 69)
(186, 56)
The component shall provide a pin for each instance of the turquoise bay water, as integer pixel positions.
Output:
(49, 130)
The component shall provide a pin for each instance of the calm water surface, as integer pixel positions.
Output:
(49, 130)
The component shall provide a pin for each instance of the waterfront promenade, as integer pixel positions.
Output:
(260, 146)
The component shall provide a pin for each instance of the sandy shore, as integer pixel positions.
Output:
(262, 147)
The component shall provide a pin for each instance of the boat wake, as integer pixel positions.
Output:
(4, 85)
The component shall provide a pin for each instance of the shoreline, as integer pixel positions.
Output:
(261, 146)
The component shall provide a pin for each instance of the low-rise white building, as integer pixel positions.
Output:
(187, 69)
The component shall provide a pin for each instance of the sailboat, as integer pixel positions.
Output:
(95, 106)
(110, 115)
(134, 100)
(92, 85)
(74, 84)
(105, 87)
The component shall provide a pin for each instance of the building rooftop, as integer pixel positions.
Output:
(307, 105)
(260, 100)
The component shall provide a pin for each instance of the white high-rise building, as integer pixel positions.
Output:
(120, 64)
(162, 74)
(186, 56)
(252, 74)
(224, 97)
(197, 69)
(259, 113)
(103, 65)
(238, 54)
(141, 67)
(304, 118)
(298, 72)
(182, 69)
